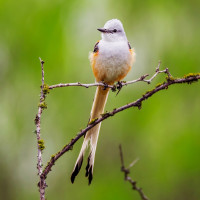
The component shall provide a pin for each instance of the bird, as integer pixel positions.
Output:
(111, 60)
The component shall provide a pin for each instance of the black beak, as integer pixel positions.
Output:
(103, 30)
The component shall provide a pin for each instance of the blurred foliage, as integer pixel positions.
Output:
(164, 134)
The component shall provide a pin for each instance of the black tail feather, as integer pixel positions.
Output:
(77, 169)
(90, 175)
(89, 171)
(88, 166)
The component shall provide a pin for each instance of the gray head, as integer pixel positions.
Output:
(113, 31)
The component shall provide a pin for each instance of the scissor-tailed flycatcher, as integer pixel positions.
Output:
(111, 60)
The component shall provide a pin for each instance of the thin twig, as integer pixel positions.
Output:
(138, 103)
(41, 184)
(118, 85)
(79, 85)
(133, 163)
(128, 178)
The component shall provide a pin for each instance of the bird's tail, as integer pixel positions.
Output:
(91, 136)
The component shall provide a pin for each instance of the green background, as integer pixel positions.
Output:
(164, 134)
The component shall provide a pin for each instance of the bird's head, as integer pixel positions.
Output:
(113, 31)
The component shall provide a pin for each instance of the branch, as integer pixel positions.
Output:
(40, 142)
(116, 86)
(128, 178)
(190, 78)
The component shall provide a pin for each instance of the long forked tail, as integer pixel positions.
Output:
(91, 136)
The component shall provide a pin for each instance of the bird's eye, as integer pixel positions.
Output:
(115, 30)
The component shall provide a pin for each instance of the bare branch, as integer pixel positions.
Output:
(79, 84)
(40, 145)
(113, 87)
(190, 78)
(128, 178)
(118, 85)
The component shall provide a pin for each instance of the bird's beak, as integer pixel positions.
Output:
(103, 30)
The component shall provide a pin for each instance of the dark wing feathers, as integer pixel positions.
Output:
(129, 45)
(96, 48)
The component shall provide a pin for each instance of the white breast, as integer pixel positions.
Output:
(114, 59)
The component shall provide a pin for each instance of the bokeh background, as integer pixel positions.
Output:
(164, 134)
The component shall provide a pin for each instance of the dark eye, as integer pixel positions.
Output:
(115, 30)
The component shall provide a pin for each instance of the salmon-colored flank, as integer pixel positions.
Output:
(94, 69)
